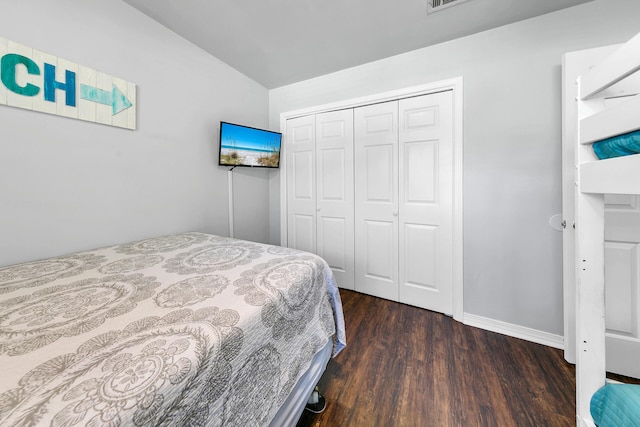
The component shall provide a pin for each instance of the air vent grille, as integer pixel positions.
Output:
(436, 5)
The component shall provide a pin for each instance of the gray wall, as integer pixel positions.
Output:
(512, 147)
(68, 185)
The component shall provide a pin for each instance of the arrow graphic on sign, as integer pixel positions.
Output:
(115, 98)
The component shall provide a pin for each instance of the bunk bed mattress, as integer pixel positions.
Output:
(616, 405)
(188, 329)
(617, 146)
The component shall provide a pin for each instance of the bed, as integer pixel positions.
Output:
(599, 121)
(188, 329)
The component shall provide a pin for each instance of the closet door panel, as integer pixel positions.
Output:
(303, 180)
(331, 232)
(420, 161)
(380, 181)
(302, 232)
(420, 246)
(376, 199)
(378, 268)
(426, 201)
(334, 207)
(331, 177)
(301, 185)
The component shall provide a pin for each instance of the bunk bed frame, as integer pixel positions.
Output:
(597, 120)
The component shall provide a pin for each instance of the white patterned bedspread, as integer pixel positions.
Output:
(183, 330)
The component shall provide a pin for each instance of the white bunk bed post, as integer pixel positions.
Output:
(590, 321)
(590, 313)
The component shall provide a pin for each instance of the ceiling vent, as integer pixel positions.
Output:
(437, 5)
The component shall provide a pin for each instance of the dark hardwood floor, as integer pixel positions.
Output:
(404, 366)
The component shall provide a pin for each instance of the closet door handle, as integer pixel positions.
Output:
(395, 213)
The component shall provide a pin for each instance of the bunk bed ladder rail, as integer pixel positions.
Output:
(590, 314)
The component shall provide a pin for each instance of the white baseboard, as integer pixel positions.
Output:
(528, 334)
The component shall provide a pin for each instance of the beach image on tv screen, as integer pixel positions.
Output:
(244, 146)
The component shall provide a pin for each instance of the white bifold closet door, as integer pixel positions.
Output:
(320, 189)
(404, 200)
(370, 189)
(334, 207)
(301, 183)
(426, 201)
(376, 199)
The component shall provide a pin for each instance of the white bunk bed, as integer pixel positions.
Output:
(598, 119)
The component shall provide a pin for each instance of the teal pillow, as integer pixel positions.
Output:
(621, 145)
(616, 405)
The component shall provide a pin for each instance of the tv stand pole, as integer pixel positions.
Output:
(230, 181)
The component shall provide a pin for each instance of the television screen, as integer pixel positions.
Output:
(247, 146)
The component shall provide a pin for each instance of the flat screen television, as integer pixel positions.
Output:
(247, 146)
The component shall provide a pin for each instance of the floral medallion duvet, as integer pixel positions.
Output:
(182, 330)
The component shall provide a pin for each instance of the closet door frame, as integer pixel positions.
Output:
(456, 86)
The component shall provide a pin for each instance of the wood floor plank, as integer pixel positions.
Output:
(405, 366)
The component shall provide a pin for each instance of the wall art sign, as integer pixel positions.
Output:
(38, 81)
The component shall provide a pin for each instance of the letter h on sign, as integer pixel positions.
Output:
(50, 85)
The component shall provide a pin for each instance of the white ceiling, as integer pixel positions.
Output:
(279, 42)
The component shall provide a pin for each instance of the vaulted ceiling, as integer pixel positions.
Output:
(279, 42)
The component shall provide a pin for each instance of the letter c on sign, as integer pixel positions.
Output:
(8, 66)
